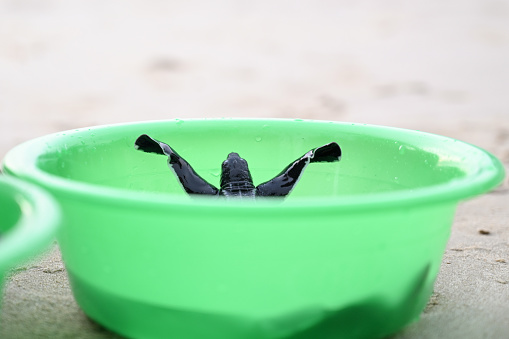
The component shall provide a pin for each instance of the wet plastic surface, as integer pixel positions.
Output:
(350, 243)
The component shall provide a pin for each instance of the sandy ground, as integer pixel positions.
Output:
(436, 66)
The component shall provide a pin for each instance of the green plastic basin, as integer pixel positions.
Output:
(353, 252)
(29, 219)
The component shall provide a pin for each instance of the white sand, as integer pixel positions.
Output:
(437, 66)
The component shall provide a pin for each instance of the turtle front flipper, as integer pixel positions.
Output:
(191, 182)
(284, 182)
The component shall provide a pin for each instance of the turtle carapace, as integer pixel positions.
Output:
(236, 180)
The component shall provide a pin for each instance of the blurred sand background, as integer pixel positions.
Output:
(436, 66)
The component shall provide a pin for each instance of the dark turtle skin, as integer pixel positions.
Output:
(236, 180)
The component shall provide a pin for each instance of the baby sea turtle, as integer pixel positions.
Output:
(236, 180)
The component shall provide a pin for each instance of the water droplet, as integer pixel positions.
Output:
(258, 139)
(402, 149)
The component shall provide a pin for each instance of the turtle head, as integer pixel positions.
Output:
(235, 169)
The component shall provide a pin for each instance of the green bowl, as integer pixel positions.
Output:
(29, 219)
(353, 252)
